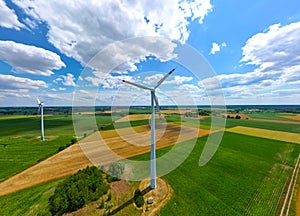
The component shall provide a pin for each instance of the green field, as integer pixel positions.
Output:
(246, 176)
(32, 201)
(205, 124)
(269, 115)
(20, 146)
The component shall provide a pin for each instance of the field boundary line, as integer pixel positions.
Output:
(292, 182)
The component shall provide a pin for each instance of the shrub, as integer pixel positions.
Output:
(109, 197)
(138, 198)
(115, 171)
(60, 148)
(74, 140)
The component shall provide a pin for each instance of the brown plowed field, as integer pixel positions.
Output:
(72, 159)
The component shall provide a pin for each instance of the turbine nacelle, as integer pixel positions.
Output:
(152, 89)
(40, 103)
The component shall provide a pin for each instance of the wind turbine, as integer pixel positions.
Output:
(41, 110)
(153, 148)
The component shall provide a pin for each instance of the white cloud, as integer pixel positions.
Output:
(8, 17)
(276, 50)
(153, 79)
(89, 27)
(31, 23)
(190, 88)
(68, 80)
(61, 89)
(276, 54)
(216, 48)
(29, 59)
(13, 82)
(178, 80)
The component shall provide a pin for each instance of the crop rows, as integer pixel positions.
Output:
(267, 197)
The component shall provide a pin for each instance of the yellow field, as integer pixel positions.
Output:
(294, 117)
(175, 111)
(269, 134)
(134, 117)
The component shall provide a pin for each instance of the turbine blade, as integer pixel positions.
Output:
(164, 78)
(157, 106)
(38, 100)
(138, 85)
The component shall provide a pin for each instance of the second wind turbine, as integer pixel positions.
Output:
(153, 148)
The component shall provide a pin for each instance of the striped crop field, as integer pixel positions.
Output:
(268, 134)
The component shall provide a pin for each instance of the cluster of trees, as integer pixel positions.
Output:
(203, 112)
(78, 189)
(138, 198)
(232, 117)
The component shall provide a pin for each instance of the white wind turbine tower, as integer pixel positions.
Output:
(153, 148)
(41, 110)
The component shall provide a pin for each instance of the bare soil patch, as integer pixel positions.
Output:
(160, 195)
(119, 187)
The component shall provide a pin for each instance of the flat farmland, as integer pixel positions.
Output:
(134, 117)
(268, 134)
(72, 159)
(246, 176)
(293, 117)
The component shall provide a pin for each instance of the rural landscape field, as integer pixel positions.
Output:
(250, 174)
(126, 107)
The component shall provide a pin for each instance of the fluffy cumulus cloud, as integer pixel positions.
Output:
(216, 47)
(103, 22)
(8, 18)
(275, 53)
(16, 83)
(68, 80)
(276, 50)
(29, 59)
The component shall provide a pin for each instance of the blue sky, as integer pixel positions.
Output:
(46, 48)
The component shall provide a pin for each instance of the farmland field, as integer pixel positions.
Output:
(20, 146)
(269, 134)
(205, 124)
(270, 115)
(72, 159)
(246, 176)
(32, 201)
(232, 183)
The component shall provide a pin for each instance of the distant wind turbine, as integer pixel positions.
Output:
(41, 110)
(153, 148)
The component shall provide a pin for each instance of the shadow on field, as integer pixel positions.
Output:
(127, 203)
